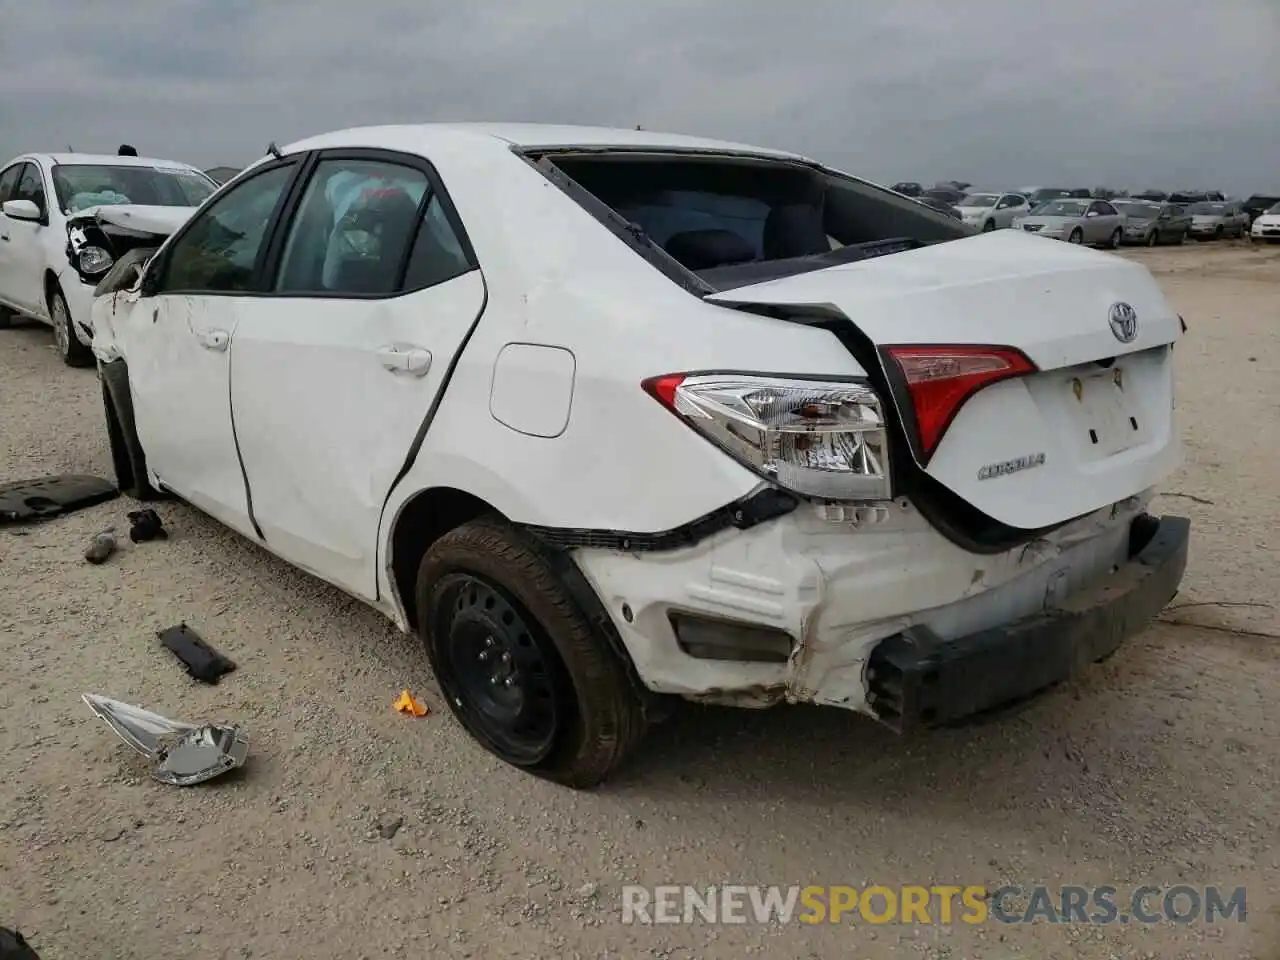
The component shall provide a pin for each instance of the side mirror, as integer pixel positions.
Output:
(22, 210)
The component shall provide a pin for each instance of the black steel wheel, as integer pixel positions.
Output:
(500, 672)
(527, 659)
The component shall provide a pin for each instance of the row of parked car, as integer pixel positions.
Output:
(604, 417)
(1079, 216)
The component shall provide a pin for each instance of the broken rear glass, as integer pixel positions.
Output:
(733, 220)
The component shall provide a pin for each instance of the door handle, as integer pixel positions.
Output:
(217, 340)
(411, 360)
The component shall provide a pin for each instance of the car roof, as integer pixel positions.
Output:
(102, 159)
(423, 137)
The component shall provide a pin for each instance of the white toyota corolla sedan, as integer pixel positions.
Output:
(606, 416)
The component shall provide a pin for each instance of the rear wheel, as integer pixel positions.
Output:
(73, 352)
(1116, 236)
(1076, 236)
(520, 664)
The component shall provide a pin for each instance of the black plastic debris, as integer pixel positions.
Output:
(102, 546)
(203, 662)
(14, 946)
(146, 525)
(52, 496)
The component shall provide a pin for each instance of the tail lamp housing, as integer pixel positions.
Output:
(939, 380)
(820, 438)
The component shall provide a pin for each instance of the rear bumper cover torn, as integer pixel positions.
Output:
(915, 679)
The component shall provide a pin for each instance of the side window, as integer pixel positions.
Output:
(30, 187)
(8, 181)
(1009, 200)
(1107, 209)
(353, 229)
(437, 253)
(220, 248)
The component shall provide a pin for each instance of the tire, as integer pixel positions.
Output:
(6, 318)
(1218, 232)
(1116, 236)
(127, 456)
(494, 616)
(1152, 238)
(988, 226)
(1076, 236)
(73, 352)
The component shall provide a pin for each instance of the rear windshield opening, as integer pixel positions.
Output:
(734, 221)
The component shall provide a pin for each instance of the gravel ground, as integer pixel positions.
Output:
(1157, 768)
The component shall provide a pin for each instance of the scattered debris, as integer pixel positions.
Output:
(111, 834)
(146, 526)
(389, 828)
(181, 754)
(407, 704)
(14, 946)
(1186, 496)
(51, 496)
(101, 546)
(203, 662)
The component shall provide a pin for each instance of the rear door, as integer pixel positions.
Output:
(334, 372)
(1091, 426)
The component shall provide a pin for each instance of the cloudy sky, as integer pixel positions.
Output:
(1137, 93)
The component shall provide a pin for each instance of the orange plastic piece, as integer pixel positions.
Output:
(407, 704)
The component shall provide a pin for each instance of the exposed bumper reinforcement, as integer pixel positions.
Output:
(917, 679)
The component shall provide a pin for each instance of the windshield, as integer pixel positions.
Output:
(979, 200)
(1274, 208)
(1209, 209)
(1142, 211)
(1060, 208)
(80, 186)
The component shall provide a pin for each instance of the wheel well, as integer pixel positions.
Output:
(426, 518)
(50, 285)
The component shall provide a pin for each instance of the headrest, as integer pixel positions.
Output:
(705, 249)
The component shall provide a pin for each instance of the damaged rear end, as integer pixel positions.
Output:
(970, 519)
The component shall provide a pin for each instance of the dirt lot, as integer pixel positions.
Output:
(1158, 768)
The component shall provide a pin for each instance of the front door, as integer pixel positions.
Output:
(334, 373)
(177, 337)
(21, 246)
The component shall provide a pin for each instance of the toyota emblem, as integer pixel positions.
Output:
(1124, 322)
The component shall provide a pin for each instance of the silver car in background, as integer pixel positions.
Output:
(1093, 222)
(991, 211)
(1151, 223)
(1213, 220)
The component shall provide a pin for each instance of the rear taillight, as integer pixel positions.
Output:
(818, 438)
(939, 379)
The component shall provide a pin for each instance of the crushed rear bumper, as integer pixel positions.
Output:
(916, 679)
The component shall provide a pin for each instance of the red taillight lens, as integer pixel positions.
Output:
(940, 379)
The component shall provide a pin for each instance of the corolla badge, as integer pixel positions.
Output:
(1124, 322)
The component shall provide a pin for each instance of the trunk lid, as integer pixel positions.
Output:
(1092, 426)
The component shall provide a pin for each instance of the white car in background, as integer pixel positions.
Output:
(608, 415)
(64, 216)
(1266, 226)
(992, 211)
